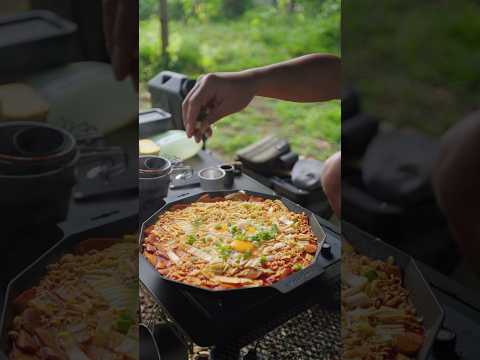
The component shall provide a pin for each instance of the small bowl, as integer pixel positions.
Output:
(153, 166)
(212, 178)
(28, 148)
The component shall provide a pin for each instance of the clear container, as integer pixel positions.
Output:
(174, 144)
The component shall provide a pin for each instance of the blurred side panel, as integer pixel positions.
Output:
(411, 164)
(68, 179)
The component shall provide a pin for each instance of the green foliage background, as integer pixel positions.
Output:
(416, 63)
(230, 35)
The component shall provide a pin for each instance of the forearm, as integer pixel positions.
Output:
(308, 78)
(456, 177)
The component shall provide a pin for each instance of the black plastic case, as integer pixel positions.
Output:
(34, 40)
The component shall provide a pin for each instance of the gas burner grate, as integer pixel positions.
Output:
(312, 335)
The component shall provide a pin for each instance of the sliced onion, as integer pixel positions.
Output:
(202, 254)
(232, 280)
(174, 257)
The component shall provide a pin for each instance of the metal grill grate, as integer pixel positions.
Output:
(314, 334)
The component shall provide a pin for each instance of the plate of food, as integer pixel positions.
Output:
(77, 301)
(388, 309)
(223, 241)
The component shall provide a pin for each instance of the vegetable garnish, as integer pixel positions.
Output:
(297, 267)
(191, 239)
(247, 255)
(371, 275)
(223, 250)
(234, 229)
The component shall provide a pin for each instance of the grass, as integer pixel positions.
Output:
(415, 63)
(260, 37)
(313, 130)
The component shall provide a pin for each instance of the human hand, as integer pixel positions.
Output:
(120, 25)
(213, 97)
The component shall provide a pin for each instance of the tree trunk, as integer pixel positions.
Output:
(291, 6)
(164, 29)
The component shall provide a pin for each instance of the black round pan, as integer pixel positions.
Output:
(151, 278)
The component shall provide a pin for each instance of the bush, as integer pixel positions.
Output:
(147, 8)
(261, 36)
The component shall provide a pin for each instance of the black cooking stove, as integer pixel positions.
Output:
(229, 321)
(462, 306)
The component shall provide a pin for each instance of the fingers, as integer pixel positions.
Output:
(197, 99)
(209, 132)
(120, 24)
(109, 12)
(123, 41)
(205, 127)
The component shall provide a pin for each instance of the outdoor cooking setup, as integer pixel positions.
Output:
(230, 320)
(167, 95)
(299, 317)
(227, 321)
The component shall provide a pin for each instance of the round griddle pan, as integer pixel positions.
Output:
(151, 278)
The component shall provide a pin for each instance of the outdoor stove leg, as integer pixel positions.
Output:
(225, 352)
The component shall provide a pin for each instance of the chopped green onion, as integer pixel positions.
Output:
(197, 222)
(223, 250)
(234, 229)
(371, 275)
(297, 267)
(274, 229)
(191, 239)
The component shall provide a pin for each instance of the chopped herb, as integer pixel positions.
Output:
(263, 236)
(223, 250)
(247, 255)
(263, 260)
(371, 275)
(240, 236)
(234, 229)
(191, 239)
(274, 230)
(297, 267)
(197, 222)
